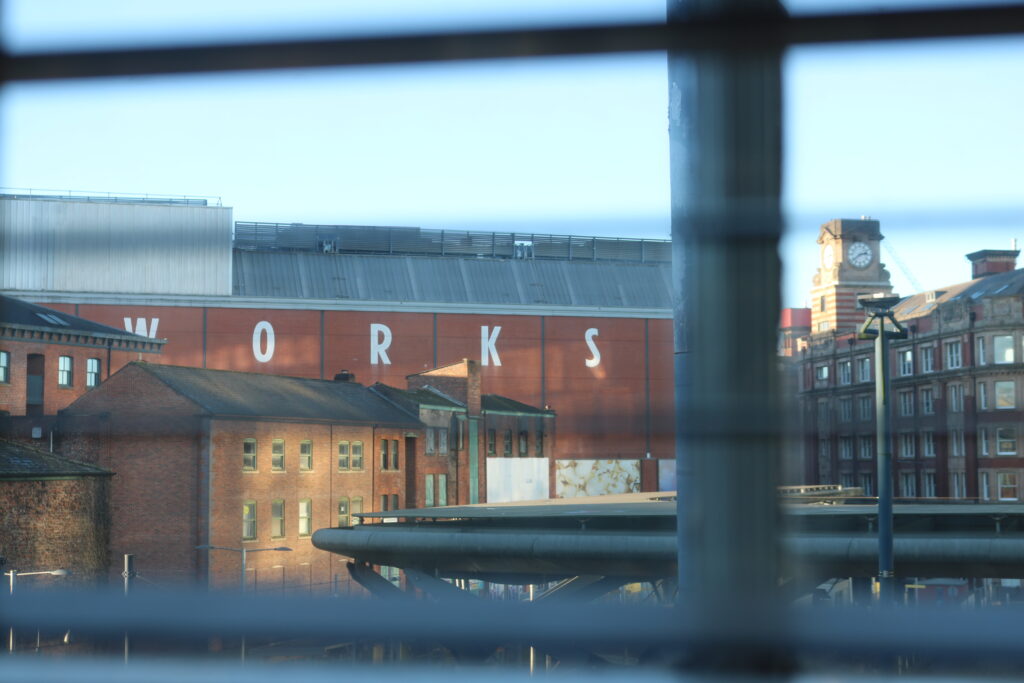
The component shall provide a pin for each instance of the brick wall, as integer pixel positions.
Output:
(56, 524)
(13, 394)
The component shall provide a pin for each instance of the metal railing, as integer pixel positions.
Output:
(361, 239)
(109, 197)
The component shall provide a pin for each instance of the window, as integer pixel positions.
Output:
(821, 373)
(866, 447)
(357, 508)
(1006, 395)
(459, 433)
(491, 441)
(867, 483)
(928, 484)
(956, 443)
(983, 441)
(908, 485)
(986, 494)
(958, 481)
(344, 513)
(907, 445)
(906, 403)
(846, 410)
(928, 444)
(384, 502)
(822, 305)
(428, 491)
(1002, 347)
(385, 460)
(982, 390)
(357, 455)
(305, 455)
(538, 444)
(524, 444)
(431, 447)
(249, 455)
(276, 518)
(277, 455)
(442, 489)
(823, 448)
(1006, 441)
(1007, 485)
(394, 501)
(927, 401)
(65, 365)
(344, 450)
(927, 359)
(305, 517)
(845, 372)
(823, 326)
(980, 351)
(956, 398)
(865, 408)
(442, 440)
(906, 362)
(394, 454)
(508, 443)
(954, 358)
(92, 372)
(864, 369)
(249, 520)
(846, 480)
(5, 367)
(846, 448)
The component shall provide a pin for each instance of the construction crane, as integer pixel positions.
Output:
(903, 267)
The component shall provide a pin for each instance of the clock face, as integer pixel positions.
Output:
(828, 256)
(859, 255)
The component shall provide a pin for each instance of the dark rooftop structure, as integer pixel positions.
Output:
(248, 394)
(20, 320)
(20, 461)
(1005, 284)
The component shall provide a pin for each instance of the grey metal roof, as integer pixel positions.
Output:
(20, 461)
(449, 280)
(412, 399)
(496, 403)
(249, 394)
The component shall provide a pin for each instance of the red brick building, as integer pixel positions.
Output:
(49, 358)
(53, 514)
(209, 457)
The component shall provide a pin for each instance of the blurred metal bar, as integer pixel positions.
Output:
(733, 33)
(725, 136)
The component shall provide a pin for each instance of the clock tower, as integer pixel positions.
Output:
(849, 268)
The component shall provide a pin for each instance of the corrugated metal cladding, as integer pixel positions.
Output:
(424, 279)
(82, 246)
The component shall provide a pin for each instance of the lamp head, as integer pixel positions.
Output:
(60, 572)
(879, 302)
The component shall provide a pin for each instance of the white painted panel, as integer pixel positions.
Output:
(80, 246)
(667, 475)
(514, 479)
(575, 478)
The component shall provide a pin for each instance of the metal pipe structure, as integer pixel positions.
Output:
(12, 576)
(880, 308)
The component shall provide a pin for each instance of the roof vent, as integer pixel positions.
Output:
(345, 376)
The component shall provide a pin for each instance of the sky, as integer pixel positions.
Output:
(924, 137)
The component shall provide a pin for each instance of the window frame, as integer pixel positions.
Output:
(927, 401)
(1010, 438)
(999, 403)
(65, 371)
(277, 455)
(306, 455)
(1002, 477)
(346, 464)
(249, 521)
(357, 458)
(845, 372)
(277, 518)
(954, 355)
(345, 516)
(93, 367)
(5, 367)
(927, 359)
(305, 517)
(906, 359)
(1008, 346)
(254, 467)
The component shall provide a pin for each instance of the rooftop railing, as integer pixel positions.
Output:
(108, 197)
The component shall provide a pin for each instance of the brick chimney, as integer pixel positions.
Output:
(992, 261)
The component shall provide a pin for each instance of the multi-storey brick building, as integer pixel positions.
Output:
(957, 381)
(210, 457)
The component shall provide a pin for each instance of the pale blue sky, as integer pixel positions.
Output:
(927, 138)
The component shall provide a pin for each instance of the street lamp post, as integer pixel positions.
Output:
(12, 576)
(879, 308)
(243, 552)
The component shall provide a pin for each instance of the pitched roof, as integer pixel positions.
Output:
(918, 305)
(250, 394)
(412, 399)
(21, 461)
(504, 404)
(22, 314)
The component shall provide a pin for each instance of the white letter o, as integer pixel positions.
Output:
(262, 354)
